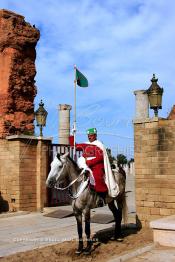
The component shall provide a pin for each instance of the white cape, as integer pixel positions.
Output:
(113, 188)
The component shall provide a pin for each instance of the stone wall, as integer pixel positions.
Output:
(17, 71)
(172, 114)
(23, 172)
(154, 168)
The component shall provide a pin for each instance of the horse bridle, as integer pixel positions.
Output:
(71, 183)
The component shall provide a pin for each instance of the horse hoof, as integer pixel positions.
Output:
(118, 239)
(78, 252)
(87, 252)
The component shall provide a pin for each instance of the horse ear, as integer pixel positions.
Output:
(65, 155)
(58, 156)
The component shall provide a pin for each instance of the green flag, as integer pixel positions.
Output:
(81, 79)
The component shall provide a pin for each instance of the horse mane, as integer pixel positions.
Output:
(73, 162)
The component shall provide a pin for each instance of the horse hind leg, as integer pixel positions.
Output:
(122, 212)
(117, 213)
(118, 227)
(87, 250)
(78, 216)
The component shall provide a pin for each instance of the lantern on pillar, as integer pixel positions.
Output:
(41, 115)
(155, 93)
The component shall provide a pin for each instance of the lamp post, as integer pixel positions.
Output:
(155, 93)
(41, 115)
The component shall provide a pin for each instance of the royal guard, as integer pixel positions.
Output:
(95, 160)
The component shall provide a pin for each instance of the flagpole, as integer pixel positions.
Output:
(74, 125)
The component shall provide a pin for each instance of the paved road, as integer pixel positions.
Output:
(24, 232)
(28, 231)
(130, 189)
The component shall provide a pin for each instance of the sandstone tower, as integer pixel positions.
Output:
(17, 71)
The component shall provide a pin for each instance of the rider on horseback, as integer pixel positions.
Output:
(65, 170)
(96, 160)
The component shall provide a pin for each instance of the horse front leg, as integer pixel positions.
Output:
(87, 216)
(78, 216)
(117, 213)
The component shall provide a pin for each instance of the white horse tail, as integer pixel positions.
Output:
(125, 210)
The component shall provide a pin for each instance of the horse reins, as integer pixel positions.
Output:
(71, 183)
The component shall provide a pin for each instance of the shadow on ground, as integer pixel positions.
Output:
(105, 235)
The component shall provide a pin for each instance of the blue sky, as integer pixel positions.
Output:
(117, 44)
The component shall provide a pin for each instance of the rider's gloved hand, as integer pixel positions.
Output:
(86, 173)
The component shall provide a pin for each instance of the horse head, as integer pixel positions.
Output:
(58, 172)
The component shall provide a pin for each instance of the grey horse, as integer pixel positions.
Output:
(65, 170)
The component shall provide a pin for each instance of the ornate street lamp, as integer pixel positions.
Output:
(155, 95)
(41, 115)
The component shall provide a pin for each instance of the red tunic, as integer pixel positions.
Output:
(96, 164)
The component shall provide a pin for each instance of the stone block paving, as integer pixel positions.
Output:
(22, 232)
(26, 232)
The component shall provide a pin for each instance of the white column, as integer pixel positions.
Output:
(141, 105)
(64, 123)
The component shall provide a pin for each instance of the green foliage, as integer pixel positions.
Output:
(121, 160)
(130, 161)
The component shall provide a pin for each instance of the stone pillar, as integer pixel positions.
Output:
(24, 168)
(154, 147)
(142, 105)
(17, 71)
(64, 123)
(42, 172)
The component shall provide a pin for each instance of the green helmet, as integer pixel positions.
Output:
(91, 131)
